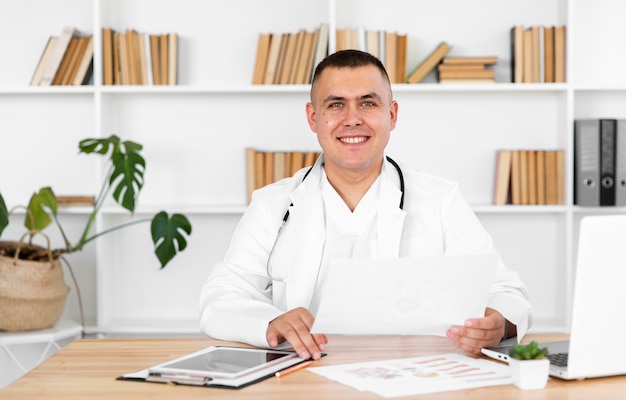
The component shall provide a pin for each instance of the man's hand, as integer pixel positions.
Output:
(478, 332)
(295, 327)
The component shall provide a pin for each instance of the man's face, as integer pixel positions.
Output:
(352, 112)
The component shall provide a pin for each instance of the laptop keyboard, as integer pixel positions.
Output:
(558, 359)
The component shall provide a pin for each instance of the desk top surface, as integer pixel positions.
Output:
(87, 368)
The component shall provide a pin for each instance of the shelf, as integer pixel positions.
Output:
(194, 134)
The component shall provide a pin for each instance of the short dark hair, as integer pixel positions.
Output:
(350, 59)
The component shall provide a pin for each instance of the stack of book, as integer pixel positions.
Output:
(289, 58)
(467, 69)
(265, 167)
(67, 59)
(531, 177)
(389, 47)
(537, 54)
(136, 58)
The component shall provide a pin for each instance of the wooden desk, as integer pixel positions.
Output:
(87, 368)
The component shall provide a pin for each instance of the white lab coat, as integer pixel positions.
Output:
(239, 299)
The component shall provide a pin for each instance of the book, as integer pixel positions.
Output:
(560, 176)
(429, 63)
(391, 54)
(43, 60)
(321, 48)
(527, 57)
(164, 48)
(172, 58)
(534, 52)
(69, 55)
(75, 61)
(540, 169)
(517, 53)
(548, 48)
(551, 178)
(56, 58)
(516, 188)
(311, 41)
(84, 71)
(142, 56)
(484, 74)
(107, 56)
(66, 201)
(460, 67)
(117, 66)
(532, 176)
(559, 54)
(262, 51)
(401, 47)
(586, 162)
(607, 162)
(501, 192)
(273, 58)
(465, 60)
(371, 43)
(155, 52)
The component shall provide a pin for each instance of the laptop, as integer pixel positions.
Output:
(598, 306)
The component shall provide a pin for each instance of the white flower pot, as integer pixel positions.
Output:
(530, 374)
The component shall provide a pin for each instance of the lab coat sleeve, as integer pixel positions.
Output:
(464, 235)
(236, 300)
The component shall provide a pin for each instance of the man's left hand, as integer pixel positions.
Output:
(478, 332)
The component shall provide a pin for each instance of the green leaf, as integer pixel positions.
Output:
(166, 232)
(4, 215)
(128, 167)
(128, 170)
(100, 146)
(41, 218)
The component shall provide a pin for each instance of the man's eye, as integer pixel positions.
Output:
(335, 105)
(368, 104)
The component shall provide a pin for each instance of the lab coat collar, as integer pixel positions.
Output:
(308, 226)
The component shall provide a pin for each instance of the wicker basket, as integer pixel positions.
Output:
(32, 293)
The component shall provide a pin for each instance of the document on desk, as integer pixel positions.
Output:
(403, 296)
(419, 375)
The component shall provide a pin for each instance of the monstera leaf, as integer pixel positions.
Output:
(128, 167)
(166, 232)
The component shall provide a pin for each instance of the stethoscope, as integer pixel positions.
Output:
(286, 217)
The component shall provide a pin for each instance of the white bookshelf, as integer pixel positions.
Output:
(206, 122)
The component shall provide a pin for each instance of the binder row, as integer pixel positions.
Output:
(600, 162)
(265, 167)
(529, 177)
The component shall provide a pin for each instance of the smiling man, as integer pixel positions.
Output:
(354, 202)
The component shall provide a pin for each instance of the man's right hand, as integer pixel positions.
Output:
(294, 326)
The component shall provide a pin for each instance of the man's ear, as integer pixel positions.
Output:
(310, 116)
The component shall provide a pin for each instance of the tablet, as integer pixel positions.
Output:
(224, 362)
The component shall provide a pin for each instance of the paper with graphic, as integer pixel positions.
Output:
(410, 376)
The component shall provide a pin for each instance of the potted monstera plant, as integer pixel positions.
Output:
(529, 367)
(32, 286)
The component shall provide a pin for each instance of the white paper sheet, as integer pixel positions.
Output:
(404, 296)
(419, 375)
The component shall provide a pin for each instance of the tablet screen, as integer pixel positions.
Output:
(224, 362)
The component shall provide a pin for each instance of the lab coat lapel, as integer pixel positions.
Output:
(306, 235)
(390, 218)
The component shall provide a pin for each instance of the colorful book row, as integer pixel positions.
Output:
(265, 167)
(136, 58)
(538, 54)
(533, 177)
(289, 58)
(67, 59)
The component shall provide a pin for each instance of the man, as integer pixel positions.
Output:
(266, 291)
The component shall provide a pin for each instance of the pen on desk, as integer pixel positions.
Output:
(289, 370)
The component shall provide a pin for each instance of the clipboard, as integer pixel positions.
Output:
(218, 367)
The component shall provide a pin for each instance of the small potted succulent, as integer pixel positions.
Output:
(529, 367)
